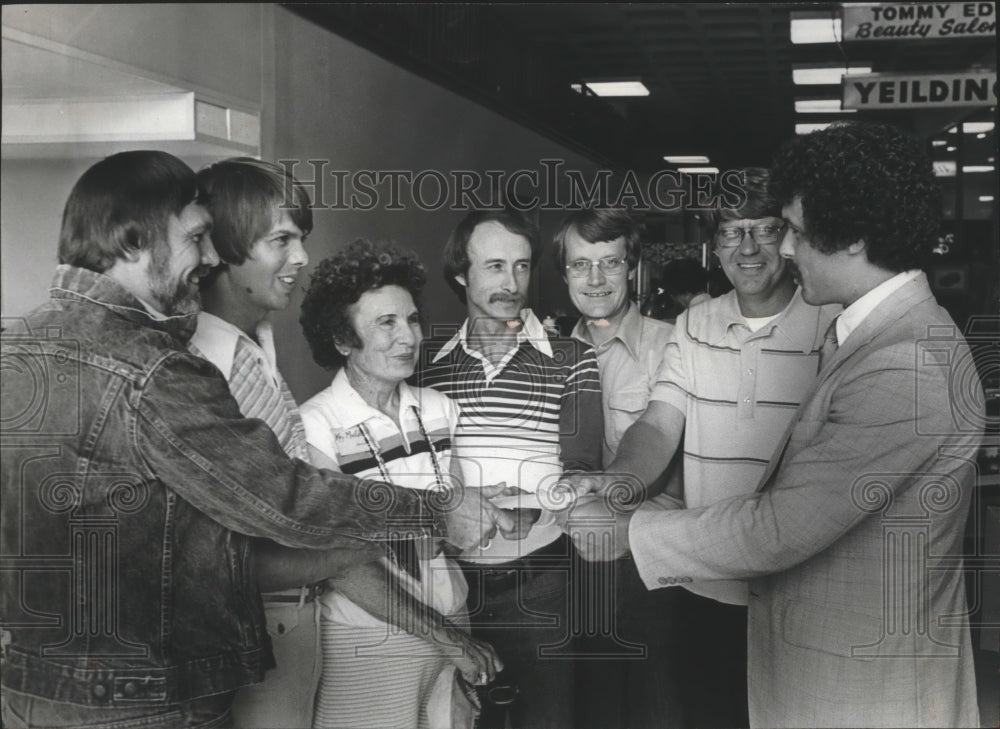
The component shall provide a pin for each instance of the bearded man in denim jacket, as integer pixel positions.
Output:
(132, 485)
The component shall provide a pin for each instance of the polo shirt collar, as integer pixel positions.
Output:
(352, 410)
(629, 331)
(532, 332)
(798, 323)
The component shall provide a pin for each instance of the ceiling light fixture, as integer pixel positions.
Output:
(977, 127)
(978, 168)
(985, 198)
(810, 128)
(815, 28)
(686, 159)
(621, 87)
(824, 75)
(820, 106)
(944, 167)
(699, 170)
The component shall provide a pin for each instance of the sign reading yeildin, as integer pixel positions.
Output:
(911, 90)
(918, 21)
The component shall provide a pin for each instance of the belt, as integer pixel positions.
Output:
(505, 576)
(312, 592)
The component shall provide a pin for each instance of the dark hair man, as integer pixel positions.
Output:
(848, 625)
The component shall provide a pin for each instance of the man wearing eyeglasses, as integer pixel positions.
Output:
(598, 250)
(734, 370)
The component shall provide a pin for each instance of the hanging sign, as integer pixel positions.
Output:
(918, 21)
(918, 90)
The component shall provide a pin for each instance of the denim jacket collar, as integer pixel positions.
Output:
(81, 284)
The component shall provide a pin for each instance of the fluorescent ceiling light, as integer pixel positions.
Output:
(699, 170)
(617, 88)
(807, 28)
(686, 159)
(985, 198)
(973, 127)
(820, 106)
(938, 142)
(978, 168)
(950, 149)
(977, 127)
(944, 167)
(810, 128)
(813, 75)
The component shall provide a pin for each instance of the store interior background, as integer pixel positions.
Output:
(479, 88)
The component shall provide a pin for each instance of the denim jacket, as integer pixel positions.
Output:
(131, 488)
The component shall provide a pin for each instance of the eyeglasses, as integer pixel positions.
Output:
(582, 267)
(763, 235)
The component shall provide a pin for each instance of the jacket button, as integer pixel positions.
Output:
(664, 581)
(130, 689)
(281, 628)
(100, 691)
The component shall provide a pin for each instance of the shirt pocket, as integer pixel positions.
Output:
(624, 408)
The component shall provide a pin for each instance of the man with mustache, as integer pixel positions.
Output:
(530, 407)
(133, 487)
(734, 369)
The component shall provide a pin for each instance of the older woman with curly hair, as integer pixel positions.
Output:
(386, 647)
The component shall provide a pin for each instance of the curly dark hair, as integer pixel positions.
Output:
(857, 181)
(339, 281)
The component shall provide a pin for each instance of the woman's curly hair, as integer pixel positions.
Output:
(339, 281)
(857, 181)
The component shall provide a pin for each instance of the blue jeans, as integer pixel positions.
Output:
(23, 710)
(525, 618)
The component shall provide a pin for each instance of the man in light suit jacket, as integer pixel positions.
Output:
(852, 541)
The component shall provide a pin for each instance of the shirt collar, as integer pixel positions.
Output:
(629, 331)
(71, 282)
(857, 312)
(797, 323)
(217, 338)
(698, 298)
(352, 409)
(532, 332)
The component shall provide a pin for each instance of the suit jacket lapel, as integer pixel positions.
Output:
(884, 315)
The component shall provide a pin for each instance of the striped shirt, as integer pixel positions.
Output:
(738, 390)
(524, 420)
(376, 674)
(341, 425)
(251, 370)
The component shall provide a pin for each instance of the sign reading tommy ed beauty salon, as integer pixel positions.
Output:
(912, 90)
(918, 21)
